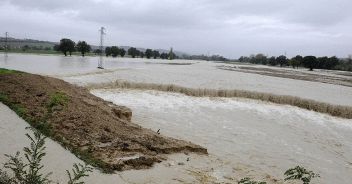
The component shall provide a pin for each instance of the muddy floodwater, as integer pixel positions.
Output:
(194, 74)
(265, 137)
(243, 137)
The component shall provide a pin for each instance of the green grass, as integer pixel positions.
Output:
(6, 71)
(57, 99)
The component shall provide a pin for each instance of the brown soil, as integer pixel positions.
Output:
(97, 131)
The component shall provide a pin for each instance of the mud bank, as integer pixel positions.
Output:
(334, 110)
(97, 131)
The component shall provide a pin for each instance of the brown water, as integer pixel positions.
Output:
(244, 137)
(265, 137)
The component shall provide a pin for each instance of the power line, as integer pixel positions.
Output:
(102, 33)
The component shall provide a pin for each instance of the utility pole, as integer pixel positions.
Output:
(102, 33)
(6, 46)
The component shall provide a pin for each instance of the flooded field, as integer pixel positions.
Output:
(244, 137)
(267, 138)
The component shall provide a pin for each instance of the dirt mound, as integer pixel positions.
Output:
(97, 131)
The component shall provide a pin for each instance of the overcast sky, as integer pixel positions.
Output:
(228, 27)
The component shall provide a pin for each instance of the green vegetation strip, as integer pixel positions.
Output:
(6, 71)
(333, 110)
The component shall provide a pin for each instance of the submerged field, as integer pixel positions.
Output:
(244, 137)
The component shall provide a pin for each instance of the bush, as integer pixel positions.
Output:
(300, 173)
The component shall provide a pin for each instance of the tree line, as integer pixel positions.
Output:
(311, 62)
(67, 46)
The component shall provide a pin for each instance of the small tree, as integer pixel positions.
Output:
(97, 51)
(172, 55)
(25, 48)
(122, 52)
(115, 51)
(83, 47)
(148, 53)
(108, 51)
(67, 45)
(296, 61)
(310, 62)
(156, 54)
(133, 52)
(282, 60)
(164, 55)
(300, 173)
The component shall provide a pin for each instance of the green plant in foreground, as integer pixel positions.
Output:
(29, 172)
(300, 173)
(249, 181)
(79, 171)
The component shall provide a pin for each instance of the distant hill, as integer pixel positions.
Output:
(17, 43)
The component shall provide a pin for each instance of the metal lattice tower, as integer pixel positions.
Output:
(102, 33)
(6, 44)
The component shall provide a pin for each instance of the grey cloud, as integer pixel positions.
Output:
(231, 28)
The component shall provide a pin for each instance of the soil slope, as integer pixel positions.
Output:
(97, 131)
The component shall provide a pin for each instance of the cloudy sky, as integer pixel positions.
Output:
(228, 27)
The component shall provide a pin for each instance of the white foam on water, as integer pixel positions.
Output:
(268, 137)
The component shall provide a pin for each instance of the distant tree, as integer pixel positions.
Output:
(56, 48)
(115, 51)
(296, 61)
(156, 54)
(310, 62)
(148, 53)
(172, 55)
(97, 51)
(67, 45)
(164, 55)
(282, 60)
(260, 59)
(108, 51)
(138, 53)
(122, 52)
(332, 63)
(25, 48)
(141, 54)
(132, 52)
(272, 61)
(83, 47)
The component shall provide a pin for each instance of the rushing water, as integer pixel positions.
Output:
(200, 74)
(244, 137)
(267, 137)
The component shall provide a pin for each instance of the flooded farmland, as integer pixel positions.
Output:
(244, 137)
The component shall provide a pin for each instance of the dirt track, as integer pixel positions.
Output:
(97, 131)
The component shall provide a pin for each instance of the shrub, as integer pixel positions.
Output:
(300, 173)
(30, 170)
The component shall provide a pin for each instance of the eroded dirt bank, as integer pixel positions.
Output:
(97, 131)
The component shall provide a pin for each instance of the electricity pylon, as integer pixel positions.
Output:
(102, 33)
